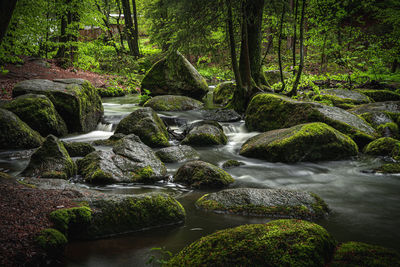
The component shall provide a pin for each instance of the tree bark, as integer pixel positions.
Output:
(279, 48)
(136, 29)
(296, 8)
(129, 30)
(6, 10)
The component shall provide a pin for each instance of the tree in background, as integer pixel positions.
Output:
(6, 11)
(131, 27)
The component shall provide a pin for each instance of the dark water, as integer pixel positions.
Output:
(365, 207)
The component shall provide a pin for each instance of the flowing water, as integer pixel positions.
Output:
(365, 206)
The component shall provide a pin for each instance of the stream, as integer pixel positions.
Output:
(365, 206)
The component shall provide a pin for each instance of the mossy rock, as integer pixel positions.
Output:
(130, 161)
(389, 168)
(269, 112)
(15, 133)
(353, 254)
(76, 100)
(223, 93)
(174, 75)
(113, 91)
(173, 103)
(200, 174)
(305, 142)
(273, 203)
(342, 98)
(78, 149)
(204, 133)
(390, 129)
(221, 115)
(52, 241)
(72, 221)
(380, 95)
(133, 213)
(277, 243)
(110, 141)
(231, 163)
(51, 160)
(384, 146)
(177, 154)
(146, 124)
(39, 113)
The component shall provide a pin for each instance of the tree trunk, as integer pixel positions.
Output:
(301, 65)
(129, 31)
(136, 29)
(119, 26)
(279, 48)
(6, 10)
(296, 8)
(395, 64)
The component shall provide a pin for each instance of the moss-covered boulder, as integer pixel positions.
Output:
(384, 146)
(76, 100)
(51, 160)
(342, 98)
(221, 115)
(269, 111)
(174, 75)
(110, 141)
(277, 243)
(146, 124)
(389, 168)
(129, 161)
(72, 221)
(304, 142)
(15, 133)
(200, 174)
(223, 93)
(78, 149)
(380, 95)
(173, 103)
(51, 241)
(177, 154)
(204, 133)
(39, 113)
(275, 203)
(353, 254)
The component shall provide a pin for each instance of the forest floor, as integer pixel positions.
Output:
(35, 68)
(24, 213)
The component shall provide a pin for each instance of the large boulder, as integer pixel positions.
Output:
(275, 203)
(15, 133)
(380, 95)
(223, 93)
(352, 254)
(78, 149)
(269, 112)
(76, 100)
(51, 160)
(146, 124)
(384, 146)
(343, 98)
(204, 133)
(277, 243)
(200, 174)
(177, 154)
(304, 142)
(129, 161)
(173, 103)
(221, 115)
(175, 76)
(39, 113)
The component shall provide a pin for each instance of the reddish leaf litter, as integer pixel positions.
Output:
(24, 213)
(36, 68)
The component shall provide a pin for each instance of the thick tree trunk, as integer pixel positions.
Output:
(129, 30)
(6, 10)
(136, 29)
(279, 49)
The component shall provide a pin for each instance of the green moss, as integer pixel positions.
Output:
(54, 175)
(380, 95)
(223, 93)
(26, 184)
(231, 163)
(72, 221)
(113, 91)
(204, 139)
(352, 254)
(90, 170)
(385, 146)
(320, 207)
(144, 175)
(5, 176)
(389, 168)
(278, 243)
(51, 240)
(78, 149)
(335, 100)
(391, 126)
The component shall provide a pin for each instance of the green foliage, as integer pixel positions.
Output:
(162, 258)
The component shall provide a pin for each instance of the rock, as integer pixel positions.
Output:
(274, 76)
(76, 100)
(392, 107)
(231, 163)
(200, 174)
(173, 103)
(204, 133)
(277, 243)
(175, 76)
(146, 124)
(380, 95)
(51, 160)
(129, 161)
(304, 142)
(177, 154)
(360, 254)
(269, 111)
(384, 146)
(39, 113)
(52, 241)
(15, 133)
(221, 115)
(223, 93)
(388, 168)
(110, 141)
(78, 149)
(275, 203)
(343, 98)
